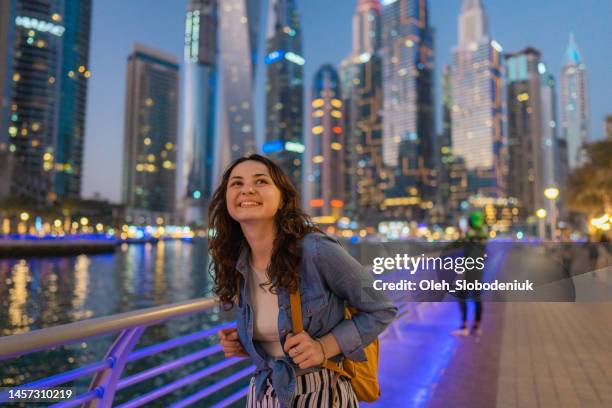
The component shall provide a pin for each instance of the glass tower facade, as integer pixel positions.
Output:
(525, 126)
(574, 103)
(73, 94)
(365, 168)
(327, 140)
(477, 112)
(151, 126)
(239, 21)
(45, 76)
(408, 121)
(285, 89)
(200, 59)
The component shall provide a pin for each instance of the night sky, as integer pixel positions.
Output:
(326, 28)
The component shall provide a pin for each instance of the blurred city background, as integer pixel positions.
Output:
(396, 119)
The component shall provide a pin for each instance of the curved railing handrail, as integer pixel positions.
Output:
(25, 343)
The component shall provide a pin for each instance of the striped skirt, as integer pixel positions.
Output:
(313, 390)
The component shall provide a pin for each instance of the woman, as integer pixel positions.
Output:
(263, 247)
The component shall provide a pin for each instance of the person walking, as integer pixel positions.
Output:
(263, 248)
(475, 242)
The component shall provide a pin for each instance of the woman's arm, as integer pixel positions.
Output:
(350, 281)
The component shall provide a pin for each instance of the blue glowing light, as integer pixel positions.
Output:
(197, 194)
(274, 56)
(273, 146)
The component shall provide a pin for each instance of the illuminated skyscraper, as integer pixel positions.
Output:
(45, 52)
(574, 103)
(285, 89)
(73, 94)
(326, 143)
(151, 126)
(526, 147)
(7, 32)
(408, 105)
(200, 57)
(364, 133)
(238, 49)
(477, 115)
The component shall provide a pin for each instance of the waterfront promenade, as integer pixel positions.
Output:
(551, 354)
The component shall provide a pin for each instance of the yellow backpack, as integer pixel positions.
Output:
(363, 375)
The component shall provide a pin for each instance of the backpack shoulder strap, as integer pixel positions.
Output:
(298, 327)
(296, 311)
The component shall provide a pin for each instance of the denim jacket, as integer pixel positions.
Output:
(329, 277)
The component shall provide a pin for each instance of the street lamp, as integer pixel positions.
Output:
(552, 193)
(541, 214)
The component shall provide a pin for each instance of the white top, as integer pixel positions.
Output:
(265, 310)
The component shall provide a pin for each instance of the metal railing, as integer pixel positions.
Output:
(107, 374)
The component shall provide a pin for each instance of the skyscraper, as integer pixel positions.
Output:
(7, 32)
(477, 119)
(364, 133)
(285, 89)
(574, 103)
(526, 180)
(408, 120)
(608, 127)
(239, 21)
(327, 146)
(200, 58)
(47, 47)
(73, 94)
(151, 125)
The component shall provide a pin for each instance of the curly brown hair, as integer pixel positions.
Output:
(227, 240)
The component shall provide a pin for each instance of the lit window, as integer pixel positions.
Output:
(317, 130)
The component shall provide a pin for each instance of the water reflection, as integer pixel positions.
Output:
(41, 292)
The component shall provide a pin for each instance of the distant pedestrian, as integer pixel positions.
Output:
(475, 242)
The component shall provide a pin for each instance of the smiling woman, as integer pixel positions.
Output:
(265, 248)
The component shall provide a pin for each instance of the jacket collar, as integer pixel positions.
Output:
(242, 265)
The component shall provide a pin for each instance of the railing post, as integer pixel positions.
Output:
(108, 378)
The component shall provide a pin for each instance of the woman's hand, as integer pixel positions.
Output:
(304, 351)
(231, 343)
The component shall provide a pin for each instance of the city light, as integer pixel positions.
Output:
(541, 213)
(294, 147)
(295, 58)
(24, 216)
(39, 25)
(551, 193)
(273, 146)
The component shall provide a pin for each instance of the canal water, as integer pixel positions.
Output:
(44, 292)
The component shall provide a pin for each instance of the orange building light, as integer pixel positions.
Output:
(337, 203)
(316, 202)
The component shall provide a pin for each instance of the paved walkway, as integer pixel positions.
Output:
(530, 355)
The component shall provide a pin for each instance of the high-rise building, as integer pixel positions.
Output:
(285, 89)
(200, 58)
(47, 48)
(364, 141)
(73, 94)
(327, 149)
(151, 126)
(448, 164)
(239, 21)
(477, 112)
(7, 32)
(552, 156)
(526, 141)
(608, 127)
(574, 103)
(408, 120)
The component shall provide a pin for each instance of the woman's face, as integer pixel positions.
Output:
(251, 194)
